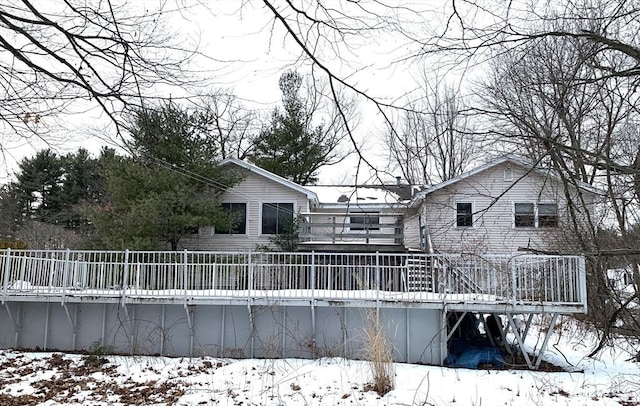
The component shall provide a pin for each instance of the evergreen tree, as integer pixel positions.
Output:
(38, 187)
(291, 146)
(169, 187)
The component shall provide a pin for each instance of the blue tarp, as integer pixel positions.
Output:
(469, 354)
(476, 356)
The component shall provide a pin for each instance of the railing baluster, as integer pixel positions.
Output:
(520, 279)
(7, 266)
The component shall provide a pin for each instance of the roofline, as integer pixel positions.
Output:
(420, 195)
(362, 206)
(271, 176)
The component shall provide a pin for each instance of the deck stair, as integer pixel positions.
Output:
(437, 274)
(419, 279)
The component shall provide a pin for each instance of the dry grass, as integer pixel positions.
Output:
(379, 352)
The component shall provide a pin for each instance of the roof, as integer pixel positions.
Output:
(508, 159)
(364, 195)
(271, 176)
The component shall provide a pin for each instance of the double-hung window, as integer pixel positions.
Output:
(535, 215)
(464, 214)
(524, 215)
(277, 218)
(547, 215)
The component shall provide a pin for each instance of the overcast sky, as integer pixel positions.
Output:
(245, 50)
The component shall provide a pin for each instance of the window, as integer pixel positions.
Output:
(536, 215)
(277, 218)
(547, 215)
(238, 216)
(524, 215)
(366, 221)
(508, 173)
(464, 214)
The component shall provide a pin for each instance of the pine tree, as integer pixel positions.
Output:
(169, 187)
(291, 146)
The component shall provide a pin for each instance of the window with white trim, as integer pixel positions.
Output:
(237, 213)
(277, 218)
(540, 215)
(547, 215)
(508, 173)
(464, 214)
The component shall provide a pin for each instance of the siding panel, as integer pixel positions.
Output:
(253, 190)
(493, 198)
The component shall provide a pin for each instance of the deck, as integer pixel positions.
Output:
(508, 283)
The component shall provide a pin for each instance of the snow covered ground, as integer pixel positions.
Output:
(612, 378)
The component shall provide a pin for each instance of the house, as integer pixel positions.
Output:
(364, 253)
(504, 206)
(343, 218)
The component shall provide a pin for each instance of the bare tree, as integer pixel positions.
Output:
(454, 34)
(549, 100)
(233, 126)
(66, 57)
(435, 141)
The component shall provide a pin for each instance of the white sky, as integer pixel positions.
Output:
(246, 52)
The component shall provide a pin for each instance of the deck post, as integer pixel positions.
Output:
(46, 326)
(223, 316)
(550, 330)
(184, 275)
(444, 336)
(163, 316)
(125, 277)
(582, 276)
(513, 282)
(72, 321)
(7, 260)
(15, 322)
(520, 341)
(65, 274)
(189, 314)
(312, 280)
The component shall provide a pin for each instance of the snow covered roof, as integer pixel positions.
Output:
(330, 195)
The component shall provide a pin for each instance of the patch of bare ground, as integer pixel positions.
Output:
(78, 381)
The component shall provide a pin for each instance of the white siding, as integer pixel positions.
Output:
(253, 190)
(412, 232)
(493, 199)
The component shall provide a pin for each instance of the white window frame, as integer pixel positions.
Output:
(263, 202)
(508, 173)
(246, 220)
(536, 215)
(473, 213)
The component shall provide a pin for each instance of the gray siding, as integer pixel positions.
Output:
(236, 331)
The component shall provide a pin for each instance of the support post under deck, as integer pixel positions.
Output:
(546, 339)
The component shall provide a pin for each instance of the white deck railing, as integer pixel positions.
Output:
(517, 279)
